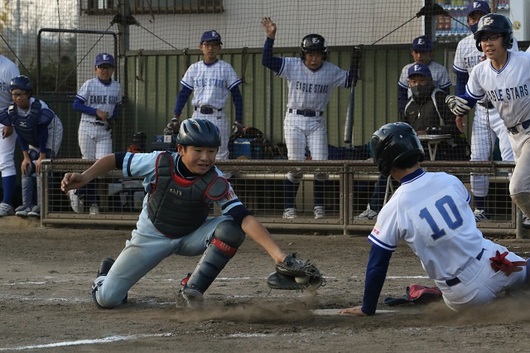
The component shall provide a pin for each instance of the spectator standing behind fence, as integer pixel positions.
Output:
(39, 133)
(421, 51)
(8, 70)
(427, 113)
(311, 80)
(210, 80)
(98, 100)
(487, 124)
(430, 212)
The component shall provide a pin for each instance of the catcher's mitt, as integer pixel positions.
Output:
(295, 274)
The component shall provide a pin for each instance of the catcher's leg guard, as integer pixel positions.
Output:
(228, 236)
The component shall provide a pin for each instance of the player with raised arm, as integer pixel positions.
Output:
(503, 79)
(311, 80)
(430, 212)
(487, 124)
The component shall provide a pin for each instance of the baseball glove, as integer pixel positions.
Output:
(295, 274)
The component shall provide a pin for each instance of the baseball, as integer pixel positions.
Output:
(302, 280)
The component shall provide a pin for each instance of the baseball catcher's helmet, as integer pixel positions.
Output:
(393, 143)
(313, 43)
(198, 132)
(495, 23)
(21, 82)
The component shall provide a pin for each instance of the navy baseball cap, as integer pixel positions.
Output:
(419, 69)
(422, 44)
(481, 6)
(211, 36)
(104, 59)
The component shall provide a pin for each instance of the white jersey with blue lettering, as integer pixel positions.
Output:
(507, 89)
(431, 213)
(308, 89)
(211, 84)
(100, 96)
(487, 124)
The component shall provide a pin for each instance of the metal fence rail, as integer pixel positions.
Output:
(259, 184)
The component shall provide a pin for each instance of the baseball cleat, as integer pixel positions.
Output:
(190, 298)
(105, 265)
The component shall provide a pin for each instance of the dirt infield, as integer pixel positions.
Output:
(45, 304)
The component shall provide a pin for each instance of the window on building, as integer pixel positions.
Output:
(98, 7)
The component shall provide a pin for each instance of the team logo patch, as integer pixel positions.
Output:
(488, 21)
(421, 41)
(105, 57)
(315, 40)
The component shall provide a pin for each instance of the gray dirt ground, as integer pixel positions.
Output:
(45, 304)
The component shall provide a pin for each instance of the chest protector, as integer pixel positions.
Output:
(26, 125)
(178, 206)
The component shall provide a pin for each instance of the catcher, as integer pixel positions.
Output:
(181, 187)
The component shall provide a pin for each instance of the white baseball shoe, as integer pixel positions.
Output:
(289, 213)
(6, 209)
(319, 212)
(367, 214)
(75, 203)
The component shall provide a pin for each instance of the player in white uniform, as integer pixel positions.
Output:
(311, 80)
(487, 124)
(39, 133)
(177, 222)
(421, 51)
(504, 79)
(431, 213)
(98, 100)
(211, 80)
(8, 70)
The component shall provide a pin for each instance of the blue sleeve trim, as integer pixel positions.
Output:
(376, 270)
(119, 156)
(461, 81)
(80, 106)
(237, 98)
(268, 60)
(182, 98)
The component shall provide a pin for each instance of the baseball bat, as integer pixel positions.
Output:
(354, 69)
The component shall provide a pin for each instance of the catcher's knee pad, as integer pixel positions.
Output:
(227, 237)
(320, 176)
(295, 177)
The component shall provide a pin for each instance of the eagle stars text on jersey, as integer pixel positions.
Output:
(209, 82)
(103, 99)
(510, 93)
(311, 88)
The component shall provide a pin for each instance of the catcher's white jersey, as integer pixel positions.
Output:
(100, 96)
(210, 83)
(440, 76)
(508, 89)
(310, 89)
